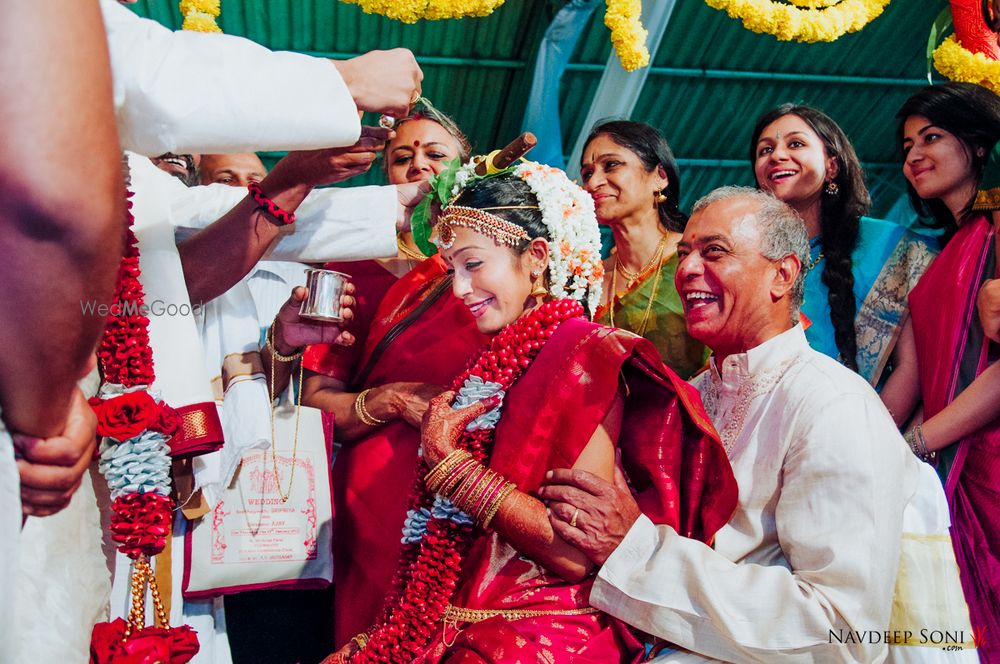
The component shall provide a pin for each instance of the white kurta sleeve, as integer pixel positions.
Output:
(188, 92)
(354, 223)
(838, 517)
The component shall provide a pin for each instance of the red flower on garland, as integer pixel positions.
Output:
(127, 415)
(140, 523)
(150, 645)
(169, 422)
(427, 573)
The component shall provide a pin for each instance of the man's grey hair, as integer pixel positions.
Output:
(782, 231)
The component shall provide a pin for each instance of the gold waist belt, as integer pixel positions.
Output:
(457, 614)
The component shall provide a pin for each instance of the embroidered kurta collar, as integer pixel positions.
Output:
(769, 355)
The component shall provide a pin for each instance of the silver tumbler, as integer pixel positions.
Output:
(325, 288)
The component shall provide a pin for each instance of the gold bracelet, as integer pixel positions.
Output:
(269, 343)
(361, 640)
(362, 412)
(494, 507)
(450, 484)
(444, 468)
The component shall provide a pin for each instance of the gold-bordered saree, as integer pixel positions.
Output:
(887, 263)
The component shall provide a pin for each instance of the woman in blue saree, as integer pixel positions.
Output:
(861, 269)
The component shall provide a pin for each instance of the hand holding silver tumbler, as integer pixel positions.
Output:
(323, 302)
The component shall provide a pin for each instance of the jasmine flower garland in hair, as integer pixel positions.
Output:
(575, 267)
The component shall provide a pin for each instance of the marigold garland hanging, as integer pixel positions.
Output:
(956, 63)
(628, 36)
(803, 20)
(411, 11)
(622, 18)
(200, 15)
(814, 4)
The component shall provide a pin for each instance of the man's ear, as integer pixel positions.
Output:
(787, 272)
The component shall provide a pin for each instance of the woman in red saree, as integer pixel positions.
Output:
(411, 341)
(947, 133)
(482, 576)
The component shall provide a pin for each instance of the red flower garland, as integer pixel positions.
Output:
(140, 522)
(428, 570)
(124, 353)
(153, 644)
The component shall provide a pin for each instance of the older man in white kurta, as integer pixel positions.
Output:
(806, 568)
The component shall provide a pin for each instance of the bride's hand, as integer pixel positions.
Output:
(443, 425)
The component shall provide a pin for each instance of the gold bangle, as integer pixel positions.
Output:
(362, 412)
(495, 505)
(361, 640)
(269, 343)
(445, 467)
(450, 484)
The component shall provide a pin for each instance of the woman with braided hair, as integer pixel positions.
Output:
(861, 269)
(482, 577)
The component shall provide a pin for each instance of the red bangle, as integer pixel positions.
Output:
(269, 206)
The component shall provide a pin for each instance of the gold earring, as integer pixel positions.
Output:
(659, 197)
(538, 288)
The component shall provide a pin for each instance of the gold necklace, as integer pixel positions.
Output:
(632, 277)
(275, 356)
(406, 251)
(657, 258)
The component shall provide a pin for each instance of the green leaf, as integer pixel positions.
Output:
(445, 180)
(420, 224)
(941, 25)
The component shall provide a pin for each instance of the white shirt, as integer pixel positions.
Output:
(184, 92)
(10, 533)
(187, 92)
(814, 543)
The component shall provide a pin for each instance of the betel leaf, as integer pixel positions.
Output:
(938, 29)
(440, 191)
(420, 224)
(445, 180)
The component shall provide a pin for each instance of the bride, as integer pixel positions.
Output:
(482, 576)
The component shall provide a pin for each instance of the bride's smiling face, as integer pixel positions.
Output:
(494, 282)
